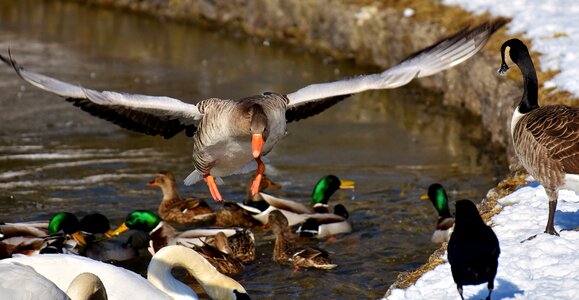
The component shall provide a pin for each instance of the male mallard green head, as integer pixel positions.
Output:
(327, 186)
(67, 223)
(437, 196)
(96, 223)
(142, 220)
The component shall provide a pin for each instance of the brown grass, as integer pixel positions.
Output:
(488, 208)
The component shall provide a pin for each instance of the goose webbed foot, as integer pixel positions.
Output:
(213, 188)
(258, 176)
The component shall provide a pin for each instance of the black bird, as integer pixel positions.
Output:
(473, 249)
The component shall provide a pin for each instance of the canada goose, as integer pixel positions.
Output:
(176, 209)
(286, 252)
(23, 282)
(230, 136)
(473, 249)
(123, 284)
(437, 195)
(546, 139)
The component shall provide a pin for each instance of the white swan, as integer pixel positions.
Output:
(19, 281)
(123, 284)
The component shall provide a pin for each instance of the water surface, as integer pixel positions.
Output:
(393, 143)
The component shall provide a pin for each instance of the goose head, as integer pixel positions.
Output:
(327, 186)
(67, 223)
(257, 128)
(516, 50)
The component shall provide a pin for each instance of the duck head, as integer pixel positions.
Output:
(96, 223)
(437, 195)
(327, 186)
(142, 220)
(166, 181)
(257, 129)
(278, 222)
(467, 215)
(68, 223)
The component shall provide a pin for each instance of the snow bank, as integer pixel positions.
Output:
(552, 26)
(546, 267)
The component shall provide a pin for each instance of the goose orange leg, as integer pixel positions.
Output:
(213, 188)
(258, 176)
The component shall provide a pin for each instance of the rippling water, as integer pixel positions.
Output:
(392, 143)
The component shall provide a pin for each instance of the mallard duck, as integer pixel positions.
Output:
(220, 255)
(473, 249)
(286, 252)
(163, 234)
(124, 284)
(230, 136)
(176, 209)
(546, 139)
(23, 282)
(233, 215)
(96, 223)
(41, 237)
(445, 223)
(317, 228)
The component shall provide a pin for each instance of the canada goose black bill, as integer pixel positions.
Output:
(546, 139)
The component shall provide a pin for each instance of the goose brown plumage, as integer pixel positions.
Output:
(230, 136)
(173, 208)
(546, 138)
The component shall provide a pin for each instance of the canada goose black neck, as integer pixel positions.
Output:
(519, 54)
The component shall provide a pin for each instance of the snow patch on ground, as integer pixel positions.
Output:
(552, 26)
(546, 267)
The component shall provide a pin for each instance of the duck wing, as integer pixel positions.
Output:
(442, 55)
(151, 115)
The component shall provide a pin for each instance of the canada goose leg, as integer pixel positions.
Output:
(213, 188)
(552, 195)
(258, 176)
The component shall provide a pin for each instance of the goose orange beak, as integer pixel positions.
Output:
(256, 144)
(347, 184)
(119, 230)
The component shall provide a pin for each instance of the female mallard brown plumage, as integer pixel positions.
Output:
(546, 139)
(286, 252)
(176, 209)
(220, 255)
(230, 136)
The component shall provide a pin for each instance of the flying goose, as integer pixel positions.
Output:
(23, 282)
(437, 195)
(176, 209)
(546, 139)
(230, 136)
(120, 283)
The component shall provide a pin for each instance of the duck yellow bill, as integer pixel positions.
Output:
(119, 230)
(347, 184)
(110, 233)
(256, 144)
(424, 197)
(77, 236)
